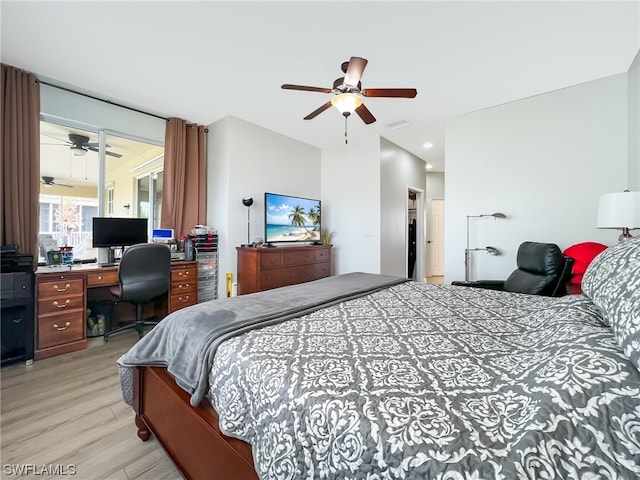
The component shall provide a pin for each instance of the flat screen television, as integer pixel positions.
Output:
(291, 219)
(115, 232)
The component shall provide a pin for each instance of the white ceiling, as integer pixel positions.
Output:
(202, 61)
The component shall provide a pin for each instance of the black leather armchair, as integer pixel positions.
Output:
(542, 270)
(144, 274)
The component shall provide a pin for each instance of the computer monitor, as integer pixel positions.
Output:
(114, 232)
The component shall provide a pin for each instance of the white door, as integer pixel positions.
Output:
(435, 243)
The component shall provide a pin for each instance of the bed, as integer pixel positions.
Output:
(363, 376)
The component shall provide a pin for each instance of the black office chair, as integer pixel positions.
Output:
(542, 270)
(144, 274)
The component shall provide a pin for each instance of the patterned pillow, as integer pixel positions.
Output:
(620, 307)
(607, 265)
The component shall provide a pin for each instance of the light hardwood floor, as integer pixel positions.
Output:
(68, 410)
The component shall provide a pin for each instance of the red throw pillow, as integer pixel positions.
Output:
(583, 254)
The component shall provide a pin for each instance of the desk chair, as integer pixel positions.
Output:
(144, 273)
(542, 270)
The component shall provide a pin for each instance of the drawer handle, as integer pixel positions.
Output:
(66, 325)
(186, 274)
(184, 299)
(17, 320)
(66, 303)
(99, 277)
(186, 285)
(58, 289)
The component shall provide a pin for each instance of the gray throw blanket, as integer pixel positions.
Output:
(185, 342)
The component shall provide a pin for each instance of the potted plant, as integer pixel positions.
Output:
(326, 236)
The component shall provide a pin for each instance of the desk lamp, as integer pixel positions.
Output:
(247, 202)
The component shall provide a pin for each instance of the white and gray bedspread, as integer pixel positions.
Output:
(433, 382)
(412, 381)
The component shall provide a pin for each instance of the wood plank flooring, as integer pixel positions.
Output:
(68, 410)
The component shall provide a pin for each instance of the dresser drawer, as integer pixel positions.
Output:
(299, 258)
(184, 274)
(176, 302)
(60, 304)
(279, 277)
(96, 279)
(183, 287)
(323, 255)
(271, 260)
(60, 329)
(61, 286)
(314, 271)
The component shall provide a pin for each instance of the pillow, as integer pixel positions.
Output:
(619, 302)
(608, 264)
(582, 254)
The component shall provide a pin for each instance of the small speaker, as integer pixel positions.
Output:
(247, 201)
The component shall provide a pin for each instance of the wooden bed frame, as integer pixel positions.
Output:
(190, 435)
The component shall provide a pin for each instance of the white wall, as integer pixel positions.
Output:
(244, 159)
(351, 205)
(399, 170)
(543, 161)
(634, 124)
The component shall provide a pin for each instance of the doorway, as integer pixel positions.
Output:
(435, 243)
(415, 234)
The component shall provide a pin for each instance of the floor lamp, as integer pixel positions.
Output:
(489, 250)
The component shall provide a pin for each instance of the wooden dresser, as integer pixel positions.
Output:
(265, 268)
(183, 290)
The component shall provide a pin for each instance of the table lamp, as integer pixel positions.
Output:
(620, 211)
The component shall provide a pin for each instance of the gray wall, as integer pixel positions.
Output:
(399, 170)
(76, 110)
(543, 161)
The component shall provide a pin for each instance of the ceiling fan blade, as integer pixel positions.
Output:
(390, 92)
(318, 111)
(111, 154)
(364, 113)
(354, 71)
(288, 86)
(62, 185)
(96, 145)
(63, 142)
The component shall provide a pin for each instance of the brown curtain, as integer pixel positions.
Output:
(20, 124)
(184, 189)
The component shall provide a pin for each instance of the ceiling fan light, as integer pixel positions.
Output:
(78, 151)
(346, 102)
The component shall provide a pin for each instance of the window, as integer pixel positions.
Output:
(70, 167)
(109, 209)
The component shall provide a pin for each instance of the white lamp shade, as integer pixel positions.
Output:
(619, 210)
(346, 102)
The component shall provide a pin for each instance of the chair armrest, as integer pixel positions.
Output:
(486, 284)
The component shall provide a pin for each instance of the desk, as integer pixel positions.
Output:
(62, 296)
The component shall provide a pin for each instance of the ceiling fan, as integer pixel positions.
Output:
(49, 182)
(348, 93)
(80, 145)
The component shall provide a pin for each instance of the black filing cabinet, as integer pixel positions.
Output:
(16, 303)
